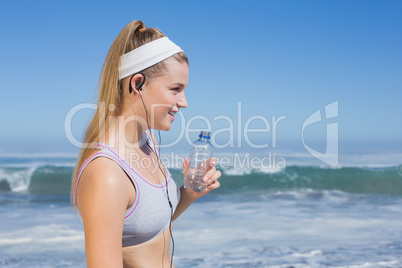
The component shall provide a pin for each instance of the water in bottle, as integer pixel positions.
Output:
(200, 156)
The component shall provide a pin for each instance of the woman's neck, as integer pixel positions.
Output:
(125, 132)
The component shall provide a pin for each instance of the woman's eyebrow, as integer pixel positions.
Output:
(179, 84)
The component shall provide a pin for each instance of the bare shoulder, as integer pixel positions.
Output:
(103, 170)
(102, 198)
(103, 180)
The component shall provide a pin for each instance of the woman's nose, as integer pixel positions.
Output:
(182, 102)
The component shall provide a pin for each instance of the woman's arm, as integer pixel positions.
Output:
(102, 199)
(188, 196)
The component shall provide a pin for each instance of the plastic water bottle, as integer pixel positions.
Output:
(201, 154)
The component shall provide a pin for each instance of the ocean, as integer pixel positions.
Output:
(302, 214)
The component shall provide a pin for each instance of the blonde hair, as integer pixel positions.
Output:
(133, 35)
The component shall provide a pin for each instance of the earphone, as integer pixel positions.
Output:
(139, 88)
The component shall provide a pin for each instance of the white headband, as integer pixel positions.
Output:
(146, 55)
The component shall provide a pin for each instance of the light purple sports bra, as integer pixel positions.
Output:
(149, 215)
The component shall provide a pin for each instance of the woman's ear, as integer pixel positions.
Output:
(136, 81)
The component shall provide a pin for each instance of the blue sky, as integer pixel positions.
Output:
(277, 58)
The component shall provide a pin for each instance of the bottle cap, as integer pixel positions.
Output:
(205, 134)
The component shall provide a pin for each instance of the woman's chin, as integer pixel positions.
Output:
(166, 127)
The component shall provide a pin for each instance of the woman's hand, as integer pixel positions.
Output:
(210, 178)
(188, 196)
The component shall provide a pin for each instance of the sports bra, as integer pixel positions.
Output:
(149, 215)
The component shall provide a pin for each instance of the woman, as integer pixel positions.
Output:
(125, 196)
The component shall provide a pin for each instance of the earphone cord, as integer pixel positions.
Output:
(166, 185)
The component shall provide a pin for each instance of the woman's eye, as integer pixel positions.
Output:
(176, 89)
